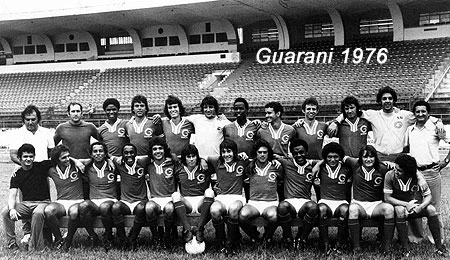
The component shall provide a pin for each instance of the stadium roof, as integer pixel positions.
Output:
(113, 17)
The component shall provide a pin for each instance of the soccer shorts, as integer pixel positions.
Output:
(297, 203)
(368, 206)
(68, 203)
(228, 199)
(333, 204)
(161, 201)
(261, 205)
(195, 202)
(131, 205)
(100, 201)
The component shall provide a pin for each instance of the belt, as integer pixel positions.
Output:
(426, 167)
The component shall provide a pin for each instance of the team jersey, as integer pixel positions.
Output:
(278, 139)
(193, 183)
(77, 137)
(177, 136)
(263, 182)
(367, 182)
(334, 183)
(132, 186)
(102, 182)
(68, 183)
(140, 134)
(353, 136)
(298, 179)
(230, 178)
(404, 190)
(162, 181)
(313, 135)
(243, 136)
(114, 136)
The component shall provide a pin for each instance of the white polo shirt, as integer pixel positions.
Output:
(41, 140)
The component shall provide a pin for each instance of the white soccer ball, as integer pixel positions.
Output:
(193, 247)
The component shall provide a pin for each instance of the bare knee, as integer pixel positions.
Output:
(176, 196)
(209, 193)
(353, 211)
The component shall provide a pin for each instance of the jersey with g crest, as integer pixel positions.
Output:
(278, 139)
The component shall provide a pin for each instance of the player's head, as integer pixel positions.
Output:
(387, 97)
(240, 107)
(332, 153)
(75, 111)
(139, 106)
(262, 151)
(274, 111)
(173, 107)
(350, 107)
(60, 155)
(421, 110)
(158, 149)
(310, 107)
(228, 151)
(111, 106)
(209, 106)
(190, 155)
(407, 166)
(368, 157)
(98, 151)
(129, 153)
(31, 117)
(26, 154)
(299, 150)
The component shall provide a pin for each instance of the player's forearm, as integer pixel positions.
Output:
(393, 201)
(12, 198)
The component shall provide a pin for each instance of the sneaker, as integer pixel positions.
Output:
(25, 239)
(442, 251)
(58, 245)
(187, 236)
(13, 246)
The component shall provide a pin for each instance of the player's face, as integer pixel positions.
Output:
(75, 113)
(129, 155)
(63, 159)
(209, 111)
(310, 112)
(299, 154)
(387, 102)
(191, 160)
(31, 122)
(368, 160)
(350, 111)
(139, 109)
(174, 110)
(239, 110)
(227, 155)
(421, 114)
(98, 153)
(111, 112)
(27, 159)
(332, 159)
(399, 173)
(271, 116)
(158, 152)
(262, 154)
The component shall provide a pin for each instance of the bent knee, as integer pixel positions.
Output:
(176, 196)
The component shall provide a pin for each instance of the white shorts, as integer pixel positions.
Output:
(195, 202)
(368, 206)
(297, 203)
(162, 201)
(100, 201)
(68, 203)
(261, 205)
(333, 204)
(228, 199)
(131, 205)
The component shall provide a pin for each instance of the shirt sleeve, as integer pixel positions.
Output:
(388, 189)
(14, 183)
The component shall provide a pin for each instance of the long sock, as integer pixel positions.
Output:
(270, 230)
(402, 230)
(53, 224)
(120, 229)
(250, 230)
(135, 230)
(72, 227)
(435, 229)
(323, 232)
(308, 225)
(204, 212)
(108, 224)
(168, 223)
(180, 211)
(88, 223)
(355, 230)
(220, 230)
(388, 233)
(286, 225)
(233, 230)
(342, 230)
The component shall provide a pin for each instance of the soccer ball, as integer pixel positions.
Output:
(193, 247)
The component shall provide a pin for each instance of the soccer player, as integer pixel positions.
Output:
(177, 129)
(229, 171)
(31, 179)
(400, 190)
(76, 133)
(101, 176)
(263, 177)
(335, 181)
(194, 196)
(298, 181)
(162, 184)
(113, 132)
(140, 129)
(368, 179)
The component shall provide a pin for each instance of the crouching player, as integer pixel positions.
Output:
(263, 178)
(400, 189)
(298, 181)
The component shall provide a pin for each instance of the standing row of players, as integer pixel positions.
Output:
(210, 131)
